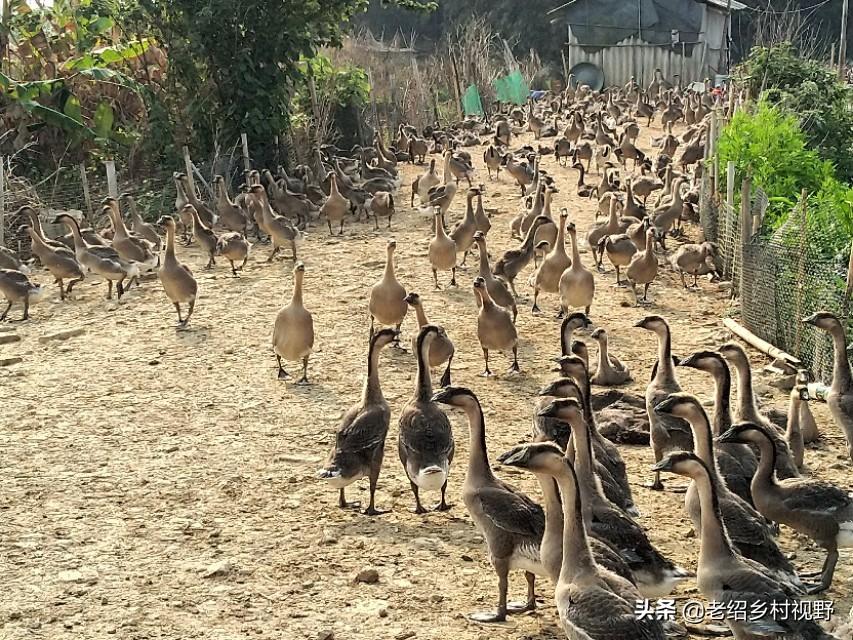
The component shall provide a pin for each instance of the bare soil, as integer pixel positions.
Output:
(160, 483)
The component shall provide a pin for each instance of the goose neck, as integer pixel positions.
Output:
(296, 298)
(714, 545)
(423, 383)
(420, 314)
(478, 457)
(841, 375)
(577, 556)
(666, 369)
(372, 388)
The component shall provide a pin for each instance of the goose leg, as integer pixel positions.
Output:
(530, 605)
(618, 278)
(178, 307)
(445, 378)
(514, 368)
(190, 312)
(342, 501)
(5, 312)
(374, 478)
(71, 285)
(646, 292)
(443, 506)
(502, 569)
(109, 289)
(372, 331)
(696, 280)
(273, 252)
(26, 316)
(683, 282)
(282, 374)
(453, 277)
(396, 344)
(304, 378)
(376, 222)
(329, 222)
(419, 509)
(486, 372)
(515, 314)
(827, 573)
(435, 277)
(535, 308)
(61, 288)
(233, 268)
(120, 288)
(342, 228)
(245, 260)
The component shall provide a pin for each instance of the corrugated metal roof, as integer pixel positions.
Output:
(723, 4)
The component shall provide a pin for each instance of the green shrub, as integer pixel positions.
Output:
(811, 91)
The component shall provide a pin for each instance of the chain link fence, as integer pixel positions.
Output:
(780, 277)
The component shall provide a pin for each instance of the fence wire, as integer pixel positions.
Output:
(780, 278)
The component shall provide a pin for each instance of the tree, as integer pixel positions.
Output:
(237, 64)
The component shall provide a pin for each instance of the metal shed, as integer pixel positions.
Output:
(624, 38)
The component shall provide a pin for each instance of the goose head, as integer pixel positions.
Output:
(708, 361)
(566, 409)
(682, 463)
(456, 397)
(822, 320)
(167, 222)
(538, 457)
(681, 405)
(561, 388)
(745, 433)
(653, 323)
(413, 300)
(383, 338)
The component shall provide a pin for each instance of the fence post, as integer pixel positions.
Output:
(745, 234)
(728, 251)
(188, 169)
(3, 201)
(112, 181)
(801, 270)
(87, 197)
(457, 89)
(247, 163)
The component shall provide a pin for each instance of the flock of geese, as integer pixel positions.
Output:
(745, 468)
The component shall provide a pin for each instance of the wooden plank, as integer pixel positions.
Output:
(188, 169)
(757, 343)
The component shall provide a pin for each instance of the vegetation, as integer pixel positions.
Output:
(811, 90)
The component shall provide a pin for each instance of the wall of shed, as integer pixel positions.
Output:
(639, 58)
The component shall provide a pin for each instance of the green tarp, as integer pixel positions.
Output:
(471, 103)
(512, 89)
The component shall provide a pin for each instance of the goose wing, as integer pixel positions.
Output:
(815, 495)
(512, 511)
(603, 615)
(15, 277)
(362, 429)
(426, 430)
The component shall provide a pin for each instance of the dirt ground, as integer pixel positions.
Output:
(160, 483)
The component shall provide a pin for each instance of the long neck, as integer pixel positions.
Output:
(714, 544)
(560, 247)
(745, 395)
(469, 211)
(389, 266)
(485, 268)
(79, 243)
(439, 226)
(703, 445)
(577, 556)
(448, 175)
(170, 244)
(372, 388)
(527, 245)
(603, 356)
(546, 208)
(576, 256)
(722, 399)
(793, 426)
(551, 549)
(297, 289)
(764, 476)
(841, 376)
(36, 238)
(584, 462)
(423, 383)
(478, 457)
(421, 315)
(666, 370)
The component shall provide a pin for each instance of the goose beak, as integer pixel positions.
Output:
(663, 465)
(442, 397)
(812, 320)
(516, 457)
(689, 361)
(666, 405)
(728, 436)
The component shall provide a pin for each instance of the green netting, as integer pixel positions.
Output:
(471, 102)
(512, 88)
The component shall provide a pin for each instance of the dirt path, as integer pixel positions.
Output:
(161, 484)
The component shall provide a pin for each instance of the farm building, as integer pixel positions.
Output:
(624, 38)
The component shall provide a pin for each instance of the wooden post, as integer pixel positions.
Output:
(457, 89)
(247, 162)
(745, 232)
(801, 270)
(565, 66)
(712, 145)
(842, 46)
(832, 56)
(3, 201)
(87, 196)
(729, 211)
(188, 169)
(112, 181)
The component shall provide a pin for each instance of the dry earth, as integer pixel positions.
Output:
(160, 483)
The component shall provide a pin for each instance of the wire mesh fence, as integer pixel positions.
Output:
(779, 277)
